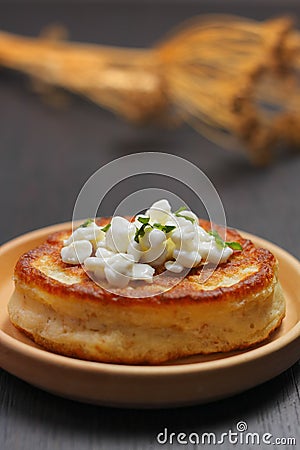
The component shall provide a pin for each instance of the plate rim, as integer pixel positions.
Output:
(13, 344)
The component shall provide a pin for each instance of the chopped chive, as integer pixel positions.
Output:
(219, 241)
(106, 227)
(234, 245)
(165, 228)
(86, 223)
(144, 220)
(183, 208)
(191, 219)
(140, 232)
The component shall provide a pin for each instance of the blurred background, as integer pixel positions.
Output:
(51, 142)
(49, 146)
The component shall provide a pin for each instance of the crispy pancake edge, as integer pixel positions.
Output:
(87, 290)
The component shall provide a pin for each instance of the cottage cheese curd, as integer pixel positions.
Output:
(125, 251)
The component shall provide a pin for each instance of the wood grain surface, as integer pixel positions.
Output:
(48, 153)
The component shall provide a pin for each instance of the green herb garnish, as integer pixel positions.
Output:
(106, 227)
(144, 220)
(234, 245)
(183, 208)
(219, 241)
(140, 232)
(86, 223)
(165, 228)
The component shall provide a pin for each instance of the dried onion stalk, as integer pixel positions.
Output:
(233, 79)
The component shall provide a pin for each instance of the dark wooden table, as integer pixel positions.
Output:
(47, 154)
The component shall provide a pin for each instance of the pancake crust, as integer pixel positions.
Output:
(62, 309)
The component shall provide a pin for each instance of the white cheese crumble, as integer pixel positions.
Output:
(127, 251)
(76, 252)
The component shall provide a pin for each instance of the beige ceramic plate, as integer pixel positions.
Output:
(191, 380)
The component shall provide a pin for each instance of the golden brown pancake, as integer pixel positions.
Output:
(62, 309)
